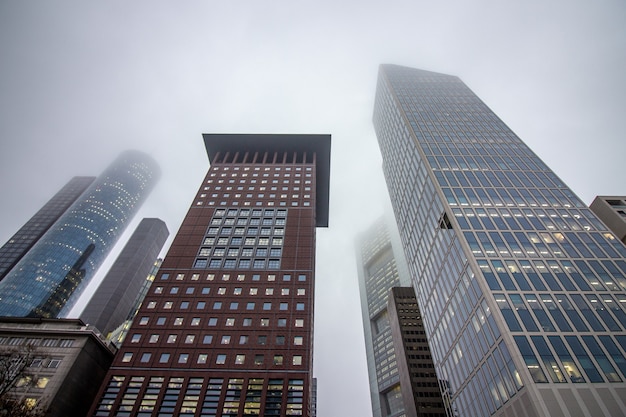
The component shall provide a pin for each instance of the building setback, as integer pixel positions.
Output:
(227, 327)
(520, 286)
(48, 280)
(612, 211)
(115, 297)
(380, 268)
(33, 229)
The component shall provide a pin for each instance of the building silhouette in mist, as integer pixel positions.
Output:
(48, 280)
(116, 296)
(522, 289)
(401, 373)
(28, 235)
(227, 326)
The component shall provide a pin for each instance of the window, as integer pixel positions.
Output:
(258, 359)
(284, 306)
(243, 340)
(269, 291)
(151, 305)
(184, 305)
(206, 290)
(160, 321)
(280, 340)
(299, 323)
(174, 290)
(234, 306)
(297, 360)
(282, 322)
(247, 322)
(297, 340)
(154, 338)
(254, 291)
(136, 338)
(240, 359)
(164, 358)
(54, 363)
(145, 357)
(183, 358)
(172, 338)
(278, 359)
(273, 264)
(213, 321)
(217, 305)
(267, 306)
(225, 340)
(190, 338)
(178, 321)
(168, 305)
(189, 290)
(230, 322)
(301, 291)
(284, 291)
(127, 357)
(158, 290)
(220, 360)
(221, 291)
(202, 358)
(208, 339)
(237, 291)
(66, 342)
(265, 322)
(300, 306)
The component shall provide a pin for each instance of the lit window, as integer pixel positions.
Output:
(297, 340)
(154, 338)
(190, 338)
(299, 323)
(230, 322)
(265, 322)
(202, 358)
(194, 321)
(151, 305)
(183, 358)
(284, 291)
(240, 359)
(269, 291)
(278, 359)
(172, 338)
(127, 357)
(168, 305)
(301, 291)
(225, 340)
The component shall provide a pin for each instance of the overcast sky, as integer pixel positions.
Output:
(82, 81)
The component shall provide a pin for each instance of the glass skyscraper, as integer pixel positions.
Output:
(522, 289)
(379, 271)
(24, 239)
(48, 280)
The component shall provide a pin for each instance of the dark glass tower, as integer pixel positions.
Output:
(21, 242)
(227, 326)
(48, 280)
(115, 297)
(521, 288)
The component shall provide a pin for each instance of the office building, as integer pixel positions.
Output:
(48, 280)
(227, 326)
(380, 266)
(421, 394)
(65, 361)
(116, 296)
(612, 211)
(33, 229)
(520, 286)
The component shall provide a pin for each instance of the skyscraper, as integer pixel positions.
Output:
(227, 327)
(115, 297)
(48, 280)
(522, 289)
(380, 270)
(33, 229)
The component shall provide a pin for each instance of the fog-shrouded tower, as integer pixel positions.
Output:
(226, 328)
(521, 288)
(48, 280)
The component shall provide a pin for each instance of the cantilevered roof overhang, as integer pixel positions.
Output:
(217, 143)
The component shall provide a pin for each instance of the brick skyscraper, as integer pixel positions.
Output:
(227, 327)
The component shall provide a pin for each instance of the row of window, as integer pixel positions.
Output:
(231, 263)
(228, 322)
(249, 203)
(218, 359)
(232, 306)
(239, 241)
(226, 277)
(36, 341)
(226, 339)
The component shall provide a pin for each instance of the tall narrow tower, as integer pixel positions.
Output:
(227, 326)
(521, 288)
(48, 280)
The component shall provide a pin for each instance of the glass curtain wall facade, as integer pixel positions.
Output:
(49, 279)
(28, 235)
(378, 272)
(522, 289)
(226, 329)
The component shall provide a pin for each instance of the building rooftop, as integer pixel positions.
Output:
(296, 143)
